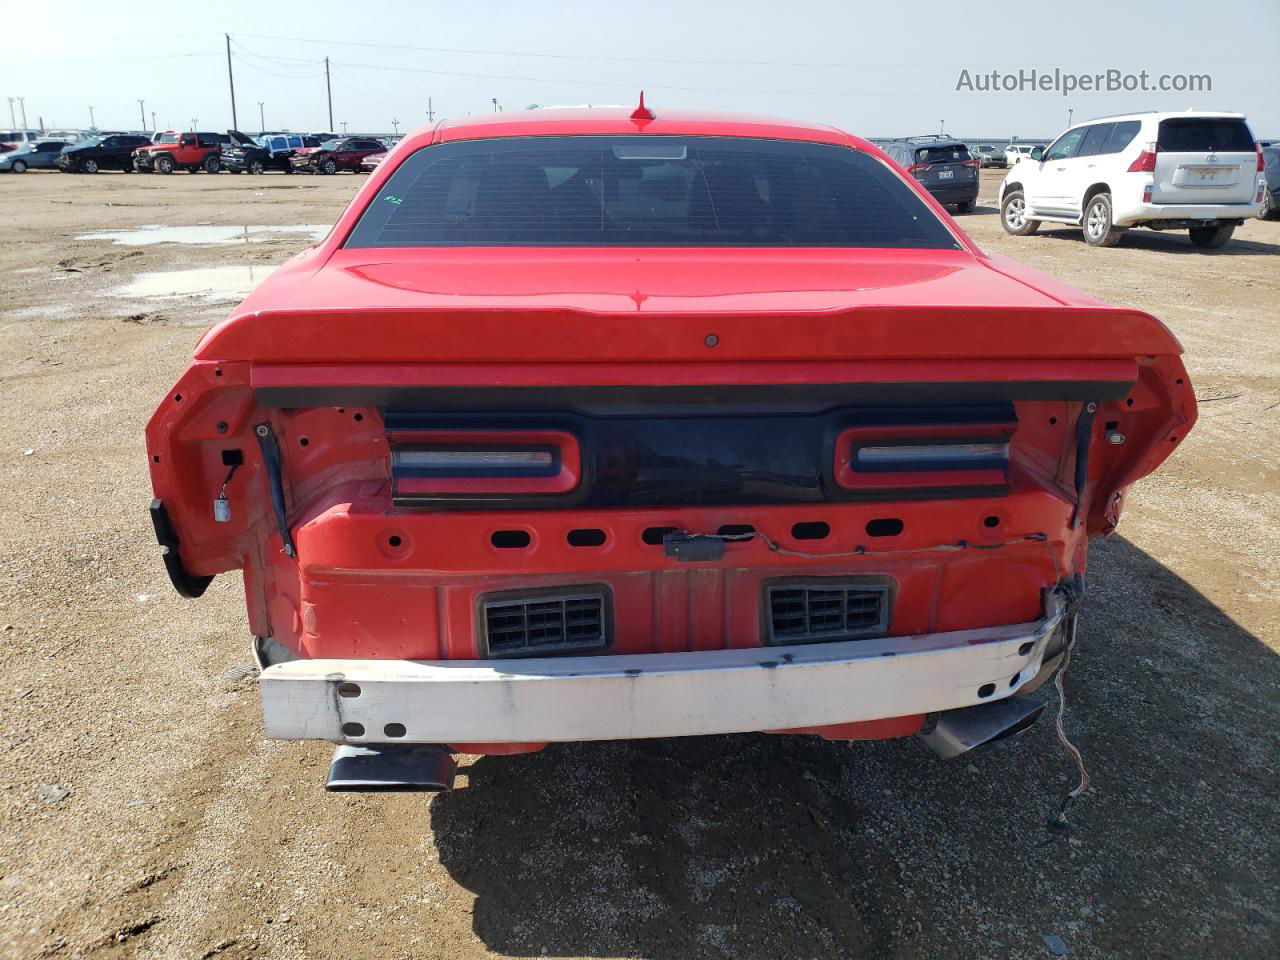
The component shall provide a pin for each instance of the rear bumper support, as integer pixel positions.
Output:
(652, 695)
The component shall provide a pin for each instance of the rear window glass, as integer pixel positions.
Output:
(646, 191)
(957, 153)
(1203, 134)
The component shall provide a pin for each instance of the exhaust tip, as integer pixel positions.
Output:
(391, 768)
(959, 731)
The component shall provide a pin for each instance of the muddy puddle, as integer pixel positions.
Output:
(207, 234)
(213, 284)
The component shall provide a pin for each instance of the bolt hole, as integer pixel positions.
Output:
(587, 537)
(394, 730)
(655, 535)
(1026, 648)
(349, 689)
(342, 409)
(177, 398)
(357, 417)
(353, 729)
(156, 458)
(1178, 381)
(1129, 402)
(304, 442)
(394, 541)
(811, 530)
(737, 530)
(884, 527)
(986, 690)
(1173, 439)
(510, 539)
(1052, 421)
(217, 373)
(991, 521)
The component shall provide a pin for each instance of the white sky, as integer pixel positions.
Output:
(875, 69)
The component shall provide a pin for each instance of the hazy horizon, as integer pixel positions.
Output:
(875, 72)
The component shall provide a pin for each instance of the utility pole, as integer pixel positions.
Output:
(232, 84)
(396, 125)
(344, 128)
(431, 114)
(1070, 111)
(328, 89)
(153, 120)
(13, 122)
(496, 108)
(262, 117)
(92, 124)
(942, 126)
(142, 113)
(22, 106)
(194, 121)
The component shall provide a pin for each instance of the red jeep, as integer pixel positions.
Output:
(587, 424)
(185, 151)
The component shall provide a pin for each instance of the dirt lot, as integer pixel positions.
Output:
(182, 833)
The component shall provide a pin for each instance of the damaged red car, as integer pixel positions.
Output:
(598, 424)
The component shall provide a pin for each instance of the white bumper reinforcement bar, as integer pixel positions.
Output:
(651, 695)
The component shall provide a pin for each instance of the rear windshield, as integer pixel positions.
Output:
(957, 153)
(1204, 134)
(641, 190)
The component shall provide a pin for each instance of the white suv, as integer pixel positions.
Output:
(1193, 171)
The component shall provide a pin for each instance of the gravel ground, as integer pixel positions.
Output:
(143, 815)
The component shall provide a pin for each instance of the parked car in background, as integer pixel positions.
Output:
(37, 155)
(830, 481)
(269, 152)
(1195, 171)
(192, 151)
(344, 153)
(990, 156)
(66, 135)
(12, 139)
(1019, 151)
(370, 163)
(111, 152)
(942, 164)
(1271, 183)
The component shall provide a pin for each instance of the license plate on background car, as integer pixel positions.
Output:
(946, 174)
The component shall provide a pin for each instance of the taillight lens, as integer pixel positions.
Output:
(918, 168)
(482, 464)
(924, 457)
(1262, 161)
(1146, 160)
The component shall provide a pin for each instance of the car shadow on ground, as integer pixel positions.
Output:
(1166, 241)
(772, 846)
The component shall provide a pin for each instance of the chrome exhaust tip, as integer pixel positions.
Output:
(390, 768)
(959, 731)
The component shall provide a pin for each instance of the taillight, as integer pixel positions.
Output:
(918, 168)
(1262, 162)
(1146, 160)
(920, 456)
(1146, 193)
(484, 464)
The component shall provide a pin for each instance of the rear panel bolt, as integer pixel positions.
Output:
(712, 339)
(222, 426)
(262, 429)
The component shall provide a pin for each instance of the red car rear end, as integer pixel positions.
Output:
(589, 425)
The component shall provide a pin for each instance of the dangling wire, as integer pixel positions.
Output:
(1060, 823)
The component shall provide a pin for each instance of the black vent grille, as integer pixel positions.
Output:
(532, 624)
(816, 610)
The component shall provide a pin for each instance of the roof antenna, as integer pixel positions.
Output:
(642, 112)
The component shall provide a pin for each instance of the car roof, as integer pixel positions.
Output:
(613, 121)
(1165, 115)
